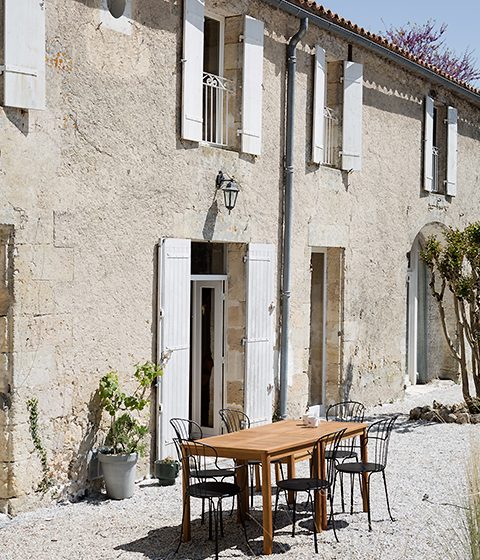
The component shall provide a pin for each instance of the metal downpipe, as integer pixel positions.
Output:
(287, 214)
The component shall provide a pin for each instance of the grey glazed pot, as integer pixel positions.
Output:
(119, 474)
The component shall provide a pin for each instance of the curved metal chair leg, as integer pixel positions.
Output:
(367, 489)
(203, 511)
(341, 491)
(215, 515)
(294, 513)
(352, 488)
(386, 495)
(220, 512)
(313, 503)
(210, 534)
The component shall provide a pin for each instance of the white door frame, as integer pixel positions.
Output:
(412, 279)
(218, 284)
(320, 409)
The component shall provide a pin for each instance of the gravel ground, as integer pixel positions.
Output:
(427, 490)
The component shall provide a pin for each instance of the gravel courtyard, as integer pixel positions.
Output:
(426, 475)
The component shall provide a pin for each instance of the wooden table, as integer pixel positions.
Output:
(274, 441)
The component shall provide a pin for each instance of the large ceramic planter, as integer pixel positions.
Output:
(166, 473)
(119, 474)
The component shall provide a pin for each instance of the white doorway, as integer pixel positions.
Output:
(208, 351)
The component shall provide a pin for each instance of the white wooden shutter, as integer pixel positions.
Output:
(318, 105)
(173, 336)
(428, 146)
(192, 82)
(352, 115)
(451, 151)
(259, 342)
(24, 54)
(252, 86)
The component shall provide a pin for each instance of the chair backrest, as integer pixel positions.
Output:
(378, 438)
(331, 443)
(234, 420)
(346, 411)
(185, 429)
(201, 458)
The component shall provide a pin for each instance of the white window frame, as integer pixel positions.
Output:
(221, 20)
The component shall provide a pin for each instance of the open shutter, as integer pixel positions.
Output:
(318, 106)
(259, 342)
(173, 336)
(352, 116)
(428, 146)
(24, 53)
(252, 86)
(451, 151)
(192, 88)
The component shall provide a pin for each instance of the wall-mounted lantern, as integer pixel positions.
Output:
(230, 190)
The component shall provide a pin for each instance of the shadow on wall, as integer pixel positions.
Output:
(347, 382)
(77, 471)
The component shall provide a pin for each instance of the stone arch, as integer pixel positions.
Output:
(428, 354)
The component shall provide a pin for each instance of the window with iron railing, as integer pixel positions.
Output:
(331, 146)
(217, 93)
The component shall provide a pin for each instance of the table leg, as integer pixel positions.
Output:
(242, 481)
(364, 456)
(291, 467)
(258, 486)
(186, 531)
(267, 506)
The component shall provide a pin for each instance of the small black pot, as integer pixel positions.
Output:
(166, 473)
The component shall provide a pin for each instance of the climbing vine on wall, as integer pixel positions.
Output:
(32, 407)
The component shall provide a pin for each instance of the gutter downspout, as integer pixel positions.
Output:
(287, 214)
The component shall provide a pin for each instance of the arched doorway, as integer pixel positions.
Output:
(428, 354)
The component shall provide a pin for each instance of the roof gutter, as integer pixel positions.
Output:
(353, 37)
(287, 212)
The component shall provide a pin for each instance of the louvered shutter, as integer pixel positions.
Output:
(318, 106)
(352, 116)
(173, 336)
(259, 343)
(192, 82)
(24, 54)
(451, 151)
(252, 86)
(428, 146)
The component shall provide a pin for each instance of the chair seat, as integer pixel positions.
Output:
(357, 467)
(340, 454)
(213, 490)
(213, 473)
(302, 484)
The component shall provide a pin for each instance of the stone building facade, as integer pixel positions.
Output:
(116, 244)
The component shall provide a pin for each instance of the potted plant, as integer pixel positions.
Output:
(124, 441)
(166, 470)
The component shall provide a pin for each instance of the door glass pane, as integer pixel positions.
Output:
(211, 47)
(207, 357)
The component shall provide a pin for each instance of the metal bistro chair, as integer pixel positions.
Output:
(378, 438)
(346, 411)
(203, 467)
(234, 421)
(314, 483)
(184, 430)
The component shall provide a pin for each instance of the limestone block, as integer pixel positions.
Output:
(34, 369)
(34, 332)
(45, 262)
(6, 471)
(34, 297)
(36, 228)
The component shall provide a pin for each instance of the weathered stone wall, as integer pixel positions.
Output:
(93, 182)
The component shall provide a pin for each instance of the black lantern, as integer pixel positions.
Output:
(230, 190)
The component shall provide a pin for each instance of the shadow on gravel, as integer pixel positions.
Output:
(161, 544)
(403, 424)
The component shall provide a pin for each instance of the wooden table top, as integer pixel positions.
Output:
(277, 439)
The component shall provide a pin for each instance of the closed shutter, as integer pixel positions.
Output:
(428, 146)
(451, 151)
(259, 342)
(352, 116)
(173, 337)
(252, 86)
(192, 88)
(24, 53)
(318, 106)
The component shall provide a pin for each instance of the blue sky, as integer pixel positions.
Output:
(462, 17)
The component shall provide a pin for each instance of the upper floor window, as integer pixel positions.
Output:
(337, 113)
(440, 149)
(222, 96)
